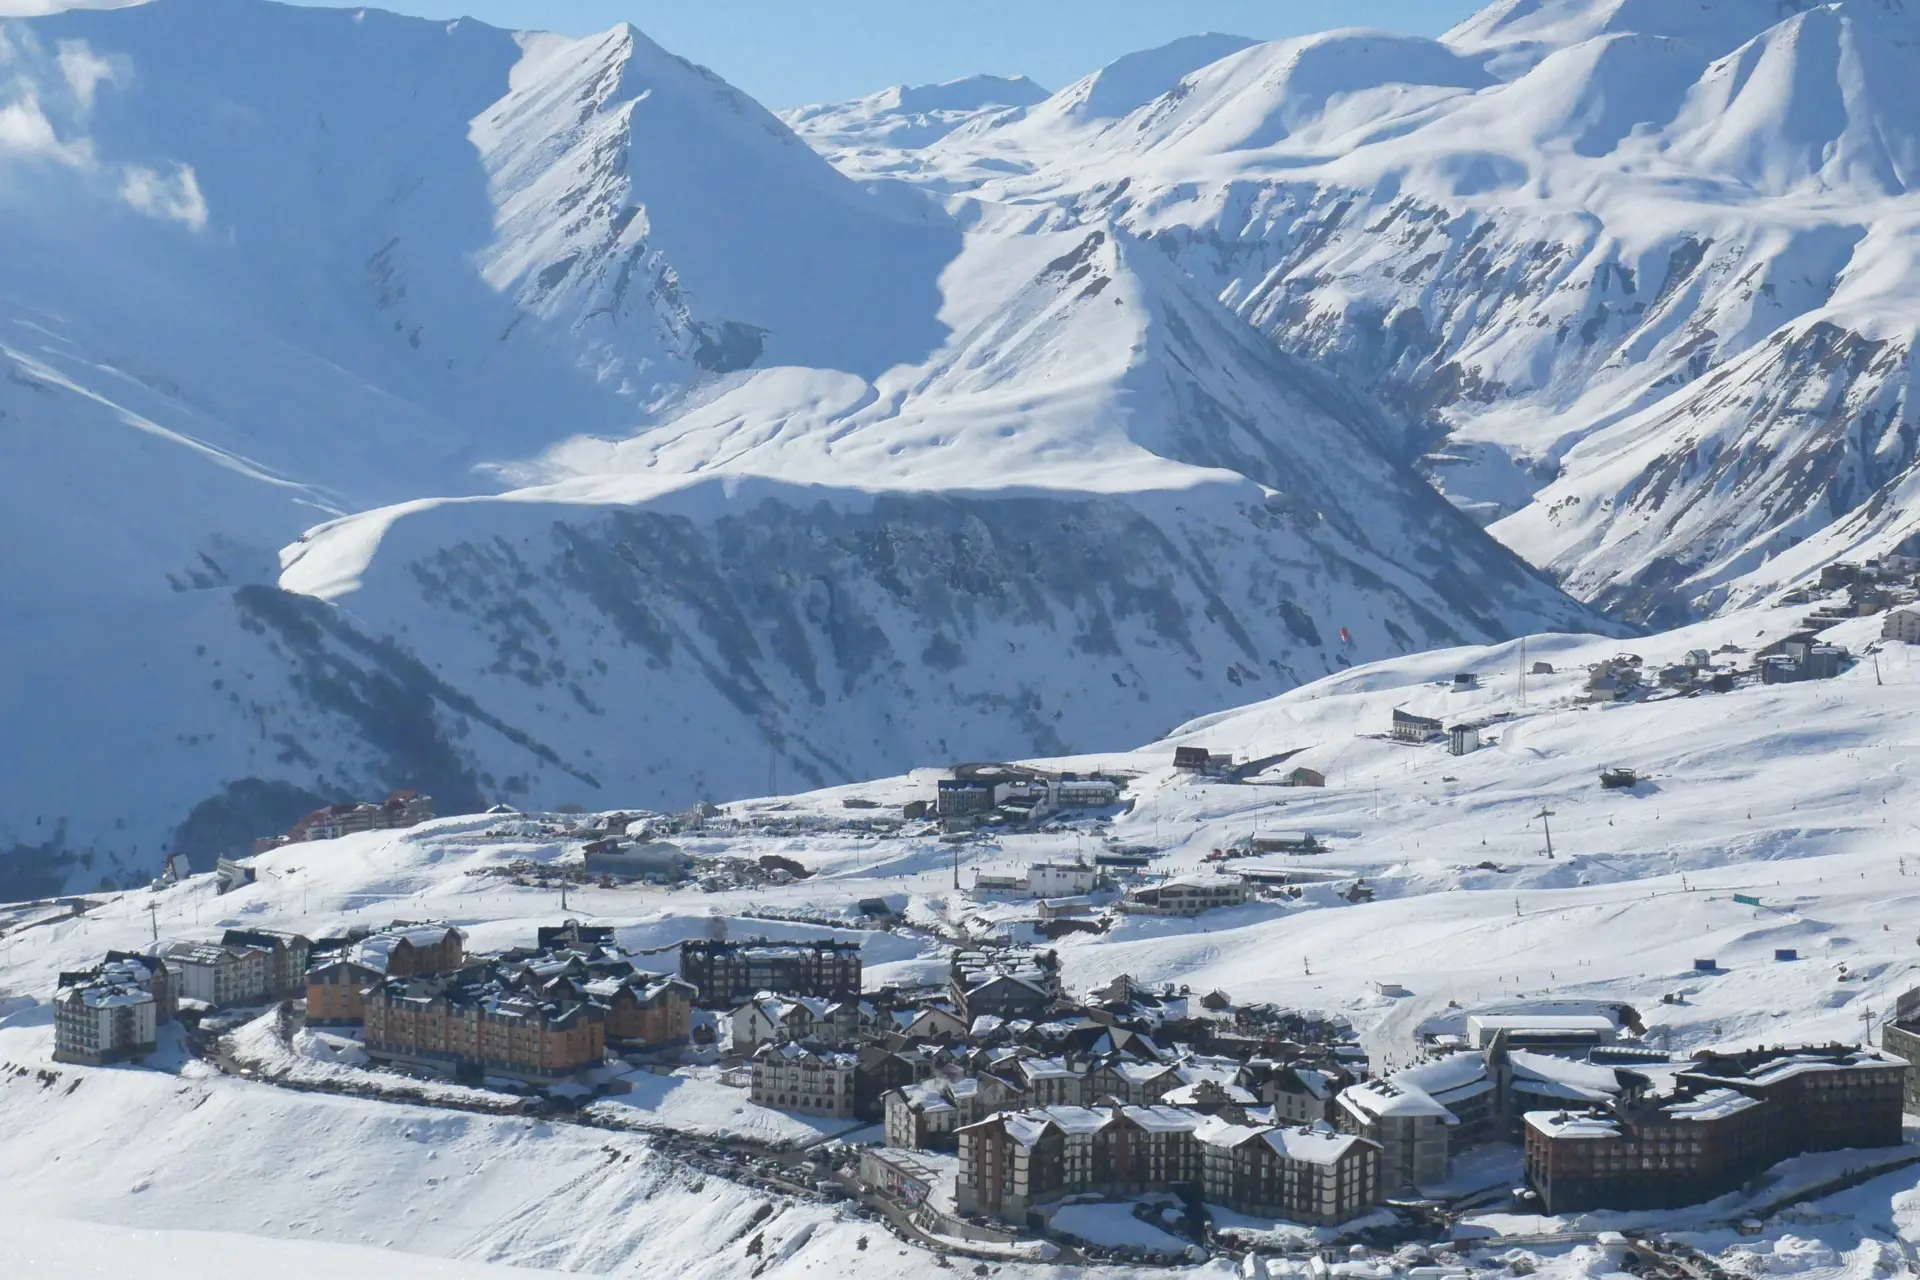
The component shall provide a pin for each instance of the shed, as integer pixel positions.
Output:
(1306, 778)
(1463, 739)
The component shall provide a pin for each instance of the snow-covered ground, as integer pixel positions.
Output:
(1800, 795)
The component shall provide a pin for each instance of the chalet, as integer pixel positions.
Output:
(1304, 777)
(1061, 879)
(133, 969)
(772, 1019)
(1011, 982)
(1412, 728)
(1191, 760)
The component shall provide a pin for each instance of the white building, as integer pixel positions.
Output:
(103, 1022)
(1061, 879)
(1085, 793)
(1902, 625)
(220, 976)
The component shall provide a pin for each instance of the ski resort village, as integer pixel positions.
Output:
(1288, 656)
(1628, 979)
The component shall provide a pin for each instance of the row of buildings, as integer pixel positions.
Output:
(399, 810)
(1016, 1161)
(1014, 793)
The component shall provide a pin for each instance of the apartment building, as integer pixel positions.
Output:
(793, 1077)
(725, 973)
(1723, 1120)
(473, 1023)
(103, 1021)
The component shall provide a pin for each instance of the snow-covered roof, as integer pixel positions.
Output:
(1381, 1099)
(1316, 1145)
(1572, 1124)
(1164, 1119)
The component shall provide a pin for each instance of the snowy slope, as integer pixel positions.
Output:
(906, 117)
(647, 452)
(1563, 242)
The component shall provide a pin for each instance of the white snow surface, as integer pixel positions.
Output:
(1642, 267)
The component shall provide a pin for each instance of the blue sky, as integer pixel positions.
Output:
(790, 52)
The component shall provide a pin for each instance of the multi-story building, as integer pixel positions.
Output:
(409, 950)
(287, 956)
(928, 1113)
(794, 1077)
(1725, 1119)
(1061, 879)
(725, 973)
(336, 991)
(645, 1010)
(1010, 982)
(1184, 896)
(134, 969)
(1306, 1174)
(103, 1021)
(220, 976)
(1015, 1161)
(768, 1018)
(473, 1023)
(1406, 1123)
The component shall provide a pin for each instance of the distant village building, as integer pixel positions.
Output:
(133, 969)
(1085, 793)
(1412, 728)
(645, 860)
(956, 798)
(103, 1021)
(1408, 1125)
(400, 809)
(772, 1019)
(473, 1023)
(724, 973)
(1009, 982)
(1902, 625)
(1727, 1118)
(287, 955)
(1463, 739)
(1017, 1160)
(1304, 777)
(1465, 680)
(220, 976)
(1184, 896)
(794, 1077)
(1061, 879)
(896, 1175)
(1191, 760)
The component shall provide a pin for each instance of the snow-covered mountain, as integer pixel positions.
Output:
(1636, 276)
(650, 453)
(909, 116)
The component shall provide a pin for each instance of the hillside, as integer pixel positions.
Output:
(1634, 279)
(1791, 794)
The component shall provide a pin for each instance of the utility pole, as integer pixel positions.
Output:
(153, 918)
(1544, 814)
(956, 865)
(1523, 671)
(563, 897)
